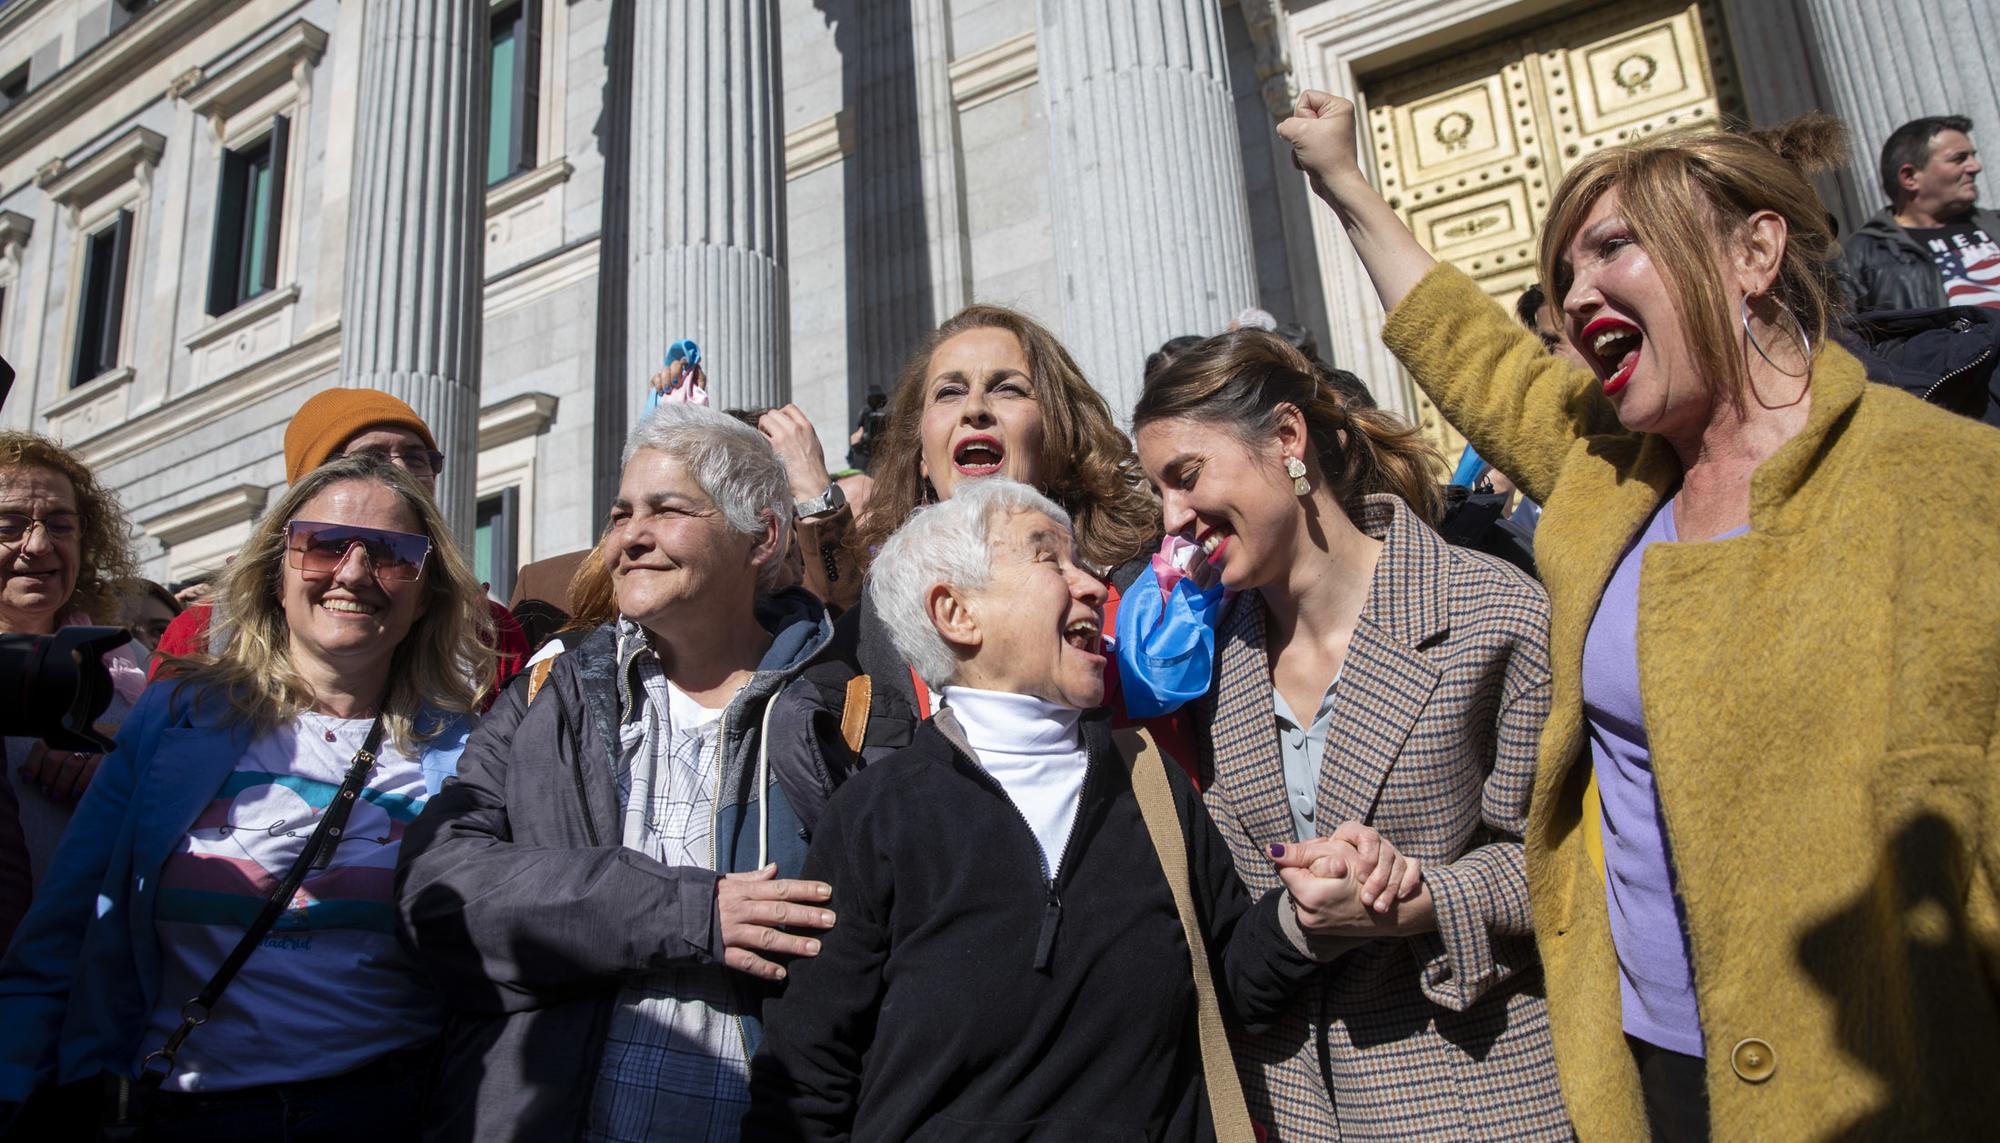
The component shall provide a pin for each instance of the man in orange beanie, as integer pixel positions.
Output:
(342, 422)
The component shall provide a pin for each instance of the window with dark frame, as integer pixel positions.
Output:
(249, 214)
(495, 540)
(515, 47)
(101, 302)
(13, 88)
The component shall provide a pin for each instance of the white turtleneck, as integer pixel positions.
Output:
(1035, 751)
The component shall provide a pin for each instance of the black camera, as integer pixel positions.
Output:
(861, 452)
(57, 686)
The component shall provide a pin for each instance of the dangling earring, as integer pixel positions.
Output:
(1296, 469)
(1804, 341)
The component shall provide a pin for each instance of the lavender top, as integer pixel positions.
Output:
(1655, 977)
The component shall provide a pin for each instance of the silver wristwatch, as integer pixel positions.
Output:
(830, 500)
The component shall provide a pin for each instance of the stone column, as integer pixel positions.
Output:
(1145, 180)
(1886, 62)
(885, 178)
(707, 235)
(413, 284)
(943, 177)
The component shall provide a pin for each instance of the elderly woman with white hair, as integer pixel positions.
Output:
(1039, 926)
(600, 891)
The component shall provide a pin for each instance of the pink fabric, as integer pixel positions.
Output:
(128, 674)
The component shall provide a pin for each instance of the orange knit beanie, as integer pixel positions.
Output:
(324, 424)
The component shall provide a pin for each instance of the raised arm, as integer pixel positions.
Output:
(1519, 406)
(1321, 132)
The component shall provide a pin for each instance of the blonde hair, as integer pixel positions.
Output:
(444, 665)
(1245, 379)
(104, 555)
(1682, 195)
(1087, 465)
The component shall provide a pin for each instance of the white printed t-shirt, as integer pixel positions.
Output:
(330, 988)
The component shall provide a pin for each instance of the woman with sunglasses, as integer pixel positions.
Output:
(350, 651)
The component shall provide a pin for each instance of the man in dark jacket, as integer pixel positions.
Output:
(1932, 246)
(599, 893)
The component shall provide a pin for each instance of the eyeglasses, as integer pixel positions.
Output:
(15, 526)
(420, 462)
(317, 550)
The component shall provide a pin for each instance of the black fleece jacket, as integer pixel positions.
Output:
(961, 996)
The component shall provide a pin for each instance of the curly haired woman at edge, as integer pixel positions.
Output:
(1760, 881)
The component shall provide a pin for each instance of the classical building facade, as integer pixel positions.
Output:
(505, 210)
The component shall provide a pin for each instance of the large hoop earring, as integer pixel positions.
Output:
(1805, 342)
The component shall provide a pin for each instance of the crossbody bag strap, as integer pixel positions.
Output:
(318, 851)
(1163, 824)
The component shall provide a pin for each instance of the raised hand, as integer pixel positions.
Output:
(754, 907)
(796, 442)
(1321, 132)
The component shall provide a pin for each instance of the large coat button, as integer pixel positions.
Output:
(1753, 1060)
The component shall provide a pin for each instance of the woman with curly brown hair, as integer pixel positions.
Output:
(991, 392)
(63, 551)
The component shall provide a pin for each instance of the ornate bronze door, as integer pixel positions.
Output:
(1468, 147)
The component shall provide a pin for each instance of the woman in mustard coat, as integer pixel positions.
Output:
(1764, 840)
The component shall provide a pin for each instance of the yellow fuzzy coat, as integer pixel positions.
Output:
(1821, 697)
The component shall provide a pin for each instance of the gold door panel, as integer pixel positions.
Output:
(1467, 147)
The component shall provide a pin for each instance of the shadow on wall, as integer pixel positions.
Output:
(1914, 1010)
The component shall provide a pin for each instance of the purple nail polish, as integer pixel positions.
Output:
(1277, 849)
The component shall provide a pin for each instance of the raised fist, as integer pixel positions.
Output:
(1321, 132)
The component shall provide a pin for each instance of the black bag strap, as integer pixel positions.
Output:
(318, 851)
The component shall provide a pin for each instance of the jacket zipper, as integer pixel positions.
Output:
(1965, 368)
(1045, 939)
(714, 847)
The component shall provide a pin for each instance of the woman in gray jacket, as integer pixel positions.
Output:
(599, 893)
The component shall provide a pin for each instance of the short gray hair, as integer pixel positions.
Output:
(947, 543)
(732, 462)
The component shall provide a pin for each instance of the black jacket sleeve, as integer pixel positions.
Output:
(805, 1081)
(505, 926)
(1256, 966)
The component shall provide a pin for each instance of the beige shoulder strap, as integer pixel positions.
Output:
(1163, 824)
(854, 712)
(538, 675)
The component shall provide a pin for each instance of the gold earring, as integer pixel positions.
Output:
(1296, 469)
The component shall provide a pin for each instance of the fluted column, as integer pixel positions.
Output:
(1145, 180)
(889, 298)
(1886, 62)
(413, 283)
(943, 178)
(707, 236)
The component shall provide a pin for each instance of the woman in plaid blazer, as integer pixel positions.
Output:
(1419, 674)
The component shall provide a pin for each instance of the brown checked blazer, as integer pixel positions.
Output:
(1436, 719)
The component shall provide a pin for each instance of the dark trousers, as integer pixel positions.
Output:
(378, 1102)
(1676, 1090)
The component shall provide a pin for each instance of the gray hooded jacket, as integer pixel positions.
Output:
(516, 893)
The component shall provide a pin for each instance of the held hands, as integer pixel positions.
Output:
(753, 908)
(1354, 883)
(1321, 132)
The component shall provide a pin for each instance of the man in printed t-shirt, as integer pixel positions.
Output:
(1932, 245)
